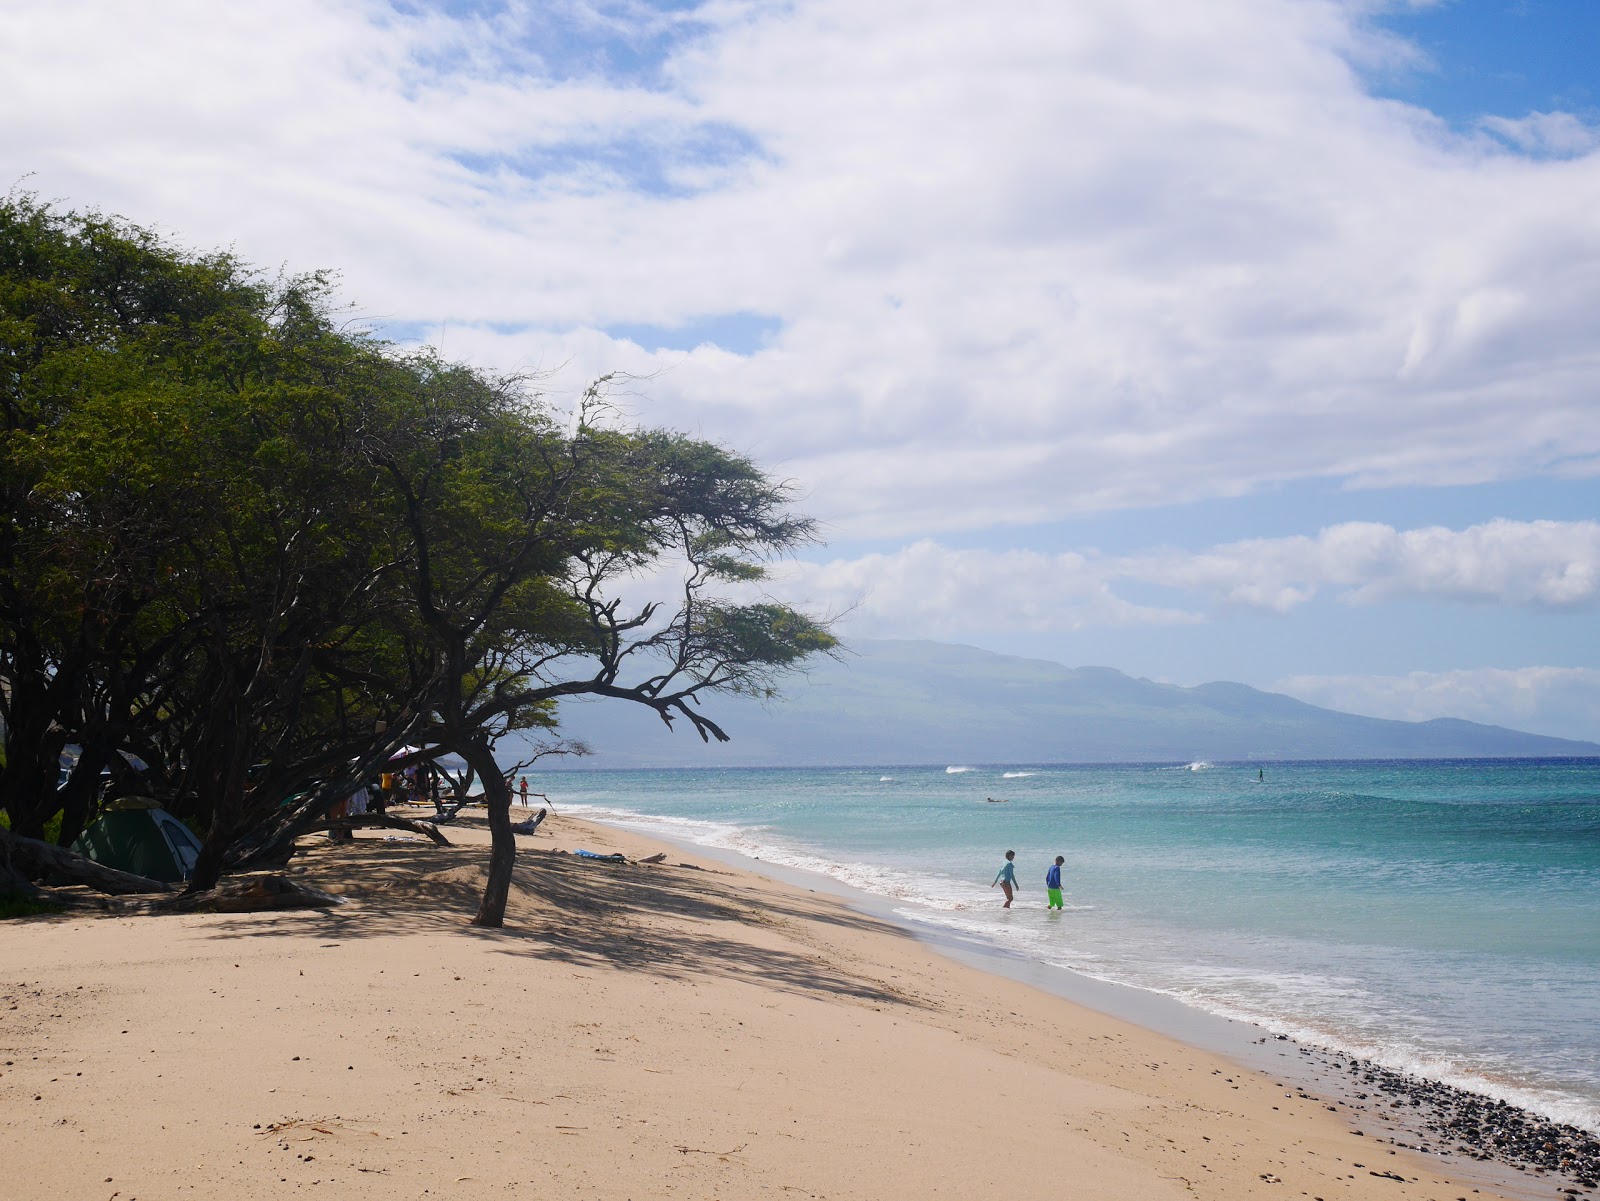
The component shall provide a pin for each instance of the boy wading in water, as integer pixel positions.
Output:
(1052, 883)
(1007, 878)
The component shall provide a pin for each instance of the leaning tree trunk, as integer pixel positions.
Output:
(503, 842)
(13, 881)
(37, 857)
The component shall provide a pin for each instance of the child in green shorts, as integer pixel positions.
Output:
(1052, 883)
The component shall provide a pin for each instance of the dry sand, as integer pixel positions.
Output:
(635, 1032)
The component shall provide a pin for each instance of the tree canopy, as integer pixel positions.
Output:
(255, 550)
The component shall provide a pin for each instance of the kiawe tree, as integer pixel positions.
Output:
(518, 530)
(259, 551)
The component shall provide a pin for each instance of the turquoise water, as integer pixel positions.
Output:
(1441, 917)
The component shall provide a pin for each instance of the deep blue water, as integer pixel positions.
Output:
(1442, 917)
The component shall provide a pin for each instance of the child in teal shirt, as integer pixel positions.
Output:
(1007, 877)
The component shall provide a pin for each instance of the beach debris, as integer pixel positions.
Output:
(1387, 1175)
(658, 857)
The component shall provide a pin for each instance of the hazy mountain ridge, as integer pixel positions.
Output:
(906, 702)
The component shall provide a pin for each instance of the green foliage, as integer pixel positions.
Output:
(237, 533)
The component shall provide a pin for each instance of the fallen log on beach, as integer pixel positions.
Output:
(380, 821)
(30, 856)
(531, 826)
(447, 813)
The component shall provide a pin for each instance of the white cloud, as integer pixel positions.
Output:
(1541, 564)
(1031, 259)
(1561, 701)
(931, 590)
(928, 590)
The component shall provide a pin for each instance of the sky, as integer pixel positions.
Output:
(1204, 339)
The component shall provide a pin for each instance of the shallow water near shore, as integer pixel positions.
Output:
(1441, 918)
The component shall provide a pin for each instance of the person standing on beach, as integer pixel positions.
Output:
(523, 785)
(1007, 877)
(1052, 884)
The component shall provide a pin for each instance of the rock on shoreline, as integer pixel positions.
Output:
(1454, 1121)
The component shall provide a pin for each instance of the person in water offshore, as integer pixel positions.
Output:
(1006, 878)
(1052, 884)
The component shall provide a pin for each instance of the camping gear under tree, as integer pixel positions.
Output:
(141, 837)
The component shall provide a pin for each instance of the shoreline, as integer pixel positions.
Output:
(1459, 994)
(677, 1030)
(1511, 1145)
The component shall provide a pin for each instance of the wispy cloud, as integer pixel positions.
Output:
(1557, 133)
(930, 590)
(1544, 564)
(933, 590)
(1562, 701)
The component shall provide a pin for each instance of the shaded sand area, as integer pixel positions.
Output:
(637, 1031)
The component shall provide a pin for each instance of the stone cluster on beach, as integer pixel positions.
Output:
(1459, 1122)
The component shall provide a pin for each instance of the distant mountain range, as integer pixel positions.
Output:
(904, 702)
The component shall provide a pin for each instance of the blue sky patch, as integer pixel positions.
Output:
(683, 163)
(618, 42)
(737, 333)
(1503, 58)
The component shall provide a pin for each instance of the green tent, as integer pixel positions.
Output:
(141, 837)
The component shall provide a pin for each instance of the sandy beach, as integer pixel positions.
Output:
(682, 1030)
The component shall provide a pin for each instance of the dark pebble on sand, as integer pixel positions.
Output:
(1482, 1127)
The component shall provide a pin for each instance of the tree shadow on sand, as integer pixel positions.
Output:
(578, 912)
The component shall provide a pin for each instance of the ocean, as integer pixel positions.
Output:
(1440, 918)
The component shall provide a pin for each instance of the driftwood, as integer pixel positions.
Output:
(443, 813)
(242, 894)
(530, 826)
(32, 857)
(379, 821)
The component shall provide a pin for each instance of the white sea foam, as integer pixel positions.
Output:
(1018, 775)
(1558, 1106)
(1260, 998)
(1199, 765)
(1248, 1001)
(757, 842)
(886, 779)
(939, 898)
(955, 771)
